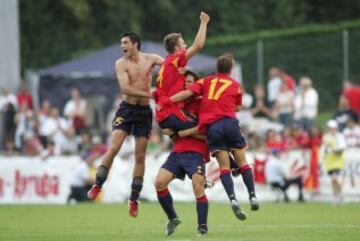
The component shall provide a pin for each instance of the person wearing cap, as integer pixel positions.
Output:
(306, 104)
(333, 148)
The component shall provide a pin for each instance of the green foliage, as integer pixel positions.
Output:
(314, 51)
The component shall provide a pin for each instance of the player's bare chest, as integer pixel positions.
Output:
(139, 68)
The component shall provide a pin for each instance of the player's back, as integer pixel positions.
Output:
(221, 95)
(169, 80)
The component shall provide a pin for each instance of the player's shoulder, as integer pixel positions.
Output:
(120, 61)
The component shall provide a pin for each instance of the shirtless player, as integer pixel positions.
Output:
(134, 116)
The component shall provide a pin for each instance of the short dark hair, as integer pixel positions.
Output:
(192, 73)
(225, 63)
(170, 41)
(134, 38)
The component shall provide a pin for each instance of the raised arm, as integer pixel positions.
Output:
(124, 82)
(200, 38)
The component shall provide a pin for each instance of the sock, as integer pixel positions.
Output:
(227, 182)
(101, 175)
(166, 203)
(136, 187)
(202, 208)
(248, 179)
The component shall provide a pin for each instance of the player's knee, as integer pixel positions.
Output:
(159, 185)
(198, 185)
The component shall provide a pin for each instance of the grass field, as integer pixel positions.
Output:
(88, 222)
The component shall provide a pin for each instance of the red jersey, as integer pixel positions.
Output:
(24, 98)
(192, 105)
(170, 82)
(221, 95)
(190, 143)
(353, 95)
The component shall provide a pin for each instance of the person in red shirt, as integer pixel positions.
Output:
(188, 157)
(170, 81)
(24, 97)
(221, 97)
(352, 93)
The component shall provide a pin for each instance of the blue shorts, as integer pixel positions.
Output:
(184, 163)
(225, 135)
(174, 123)
(134, 119)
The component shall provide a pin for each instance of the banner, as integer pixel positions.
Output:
(33, 180)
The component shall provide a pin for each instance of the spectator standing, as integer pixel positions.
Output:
(284, 105)
(8, 108)
(306, 104)
(44, 118)
(24, 97)
(75, 110)
(274, 84)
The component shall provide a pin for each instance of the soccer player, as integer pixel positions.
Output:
(170, 81)
(134, 115)
(188, 157)
(221, 97)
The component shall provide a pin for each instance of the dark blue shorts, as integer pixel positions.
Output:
(185, 163)
(225, 135)
(174, 123)
(134, 119)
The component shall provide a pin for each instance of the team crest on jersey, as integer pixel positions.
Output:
(117, 121)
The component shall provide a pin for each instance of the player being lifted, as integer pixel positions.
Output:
(170, 81)
(188, 157)
(134, 116)
(221, 97)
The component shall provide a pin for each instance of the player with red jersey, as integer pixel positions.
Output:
(221, 97)
(188, 156)
(170, 81)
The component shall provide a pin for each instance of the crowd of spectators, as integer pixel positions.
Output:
(276, 118)
(281, 117)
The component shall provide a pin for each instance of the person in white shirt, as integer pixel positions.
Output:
(75, 110)
(276, 177)
(81, 180)
(352, 133)
(273, 86)
(306, 104)
(284, 105)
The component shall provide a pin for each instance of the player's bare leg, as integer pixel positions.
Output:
(225, 176)
(336, 186)
(138, 174)
(117, 139)
(202, 204)
(247, 175)
(162, 181)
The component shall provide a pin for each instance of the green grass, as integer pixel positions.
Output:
(287, 222)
